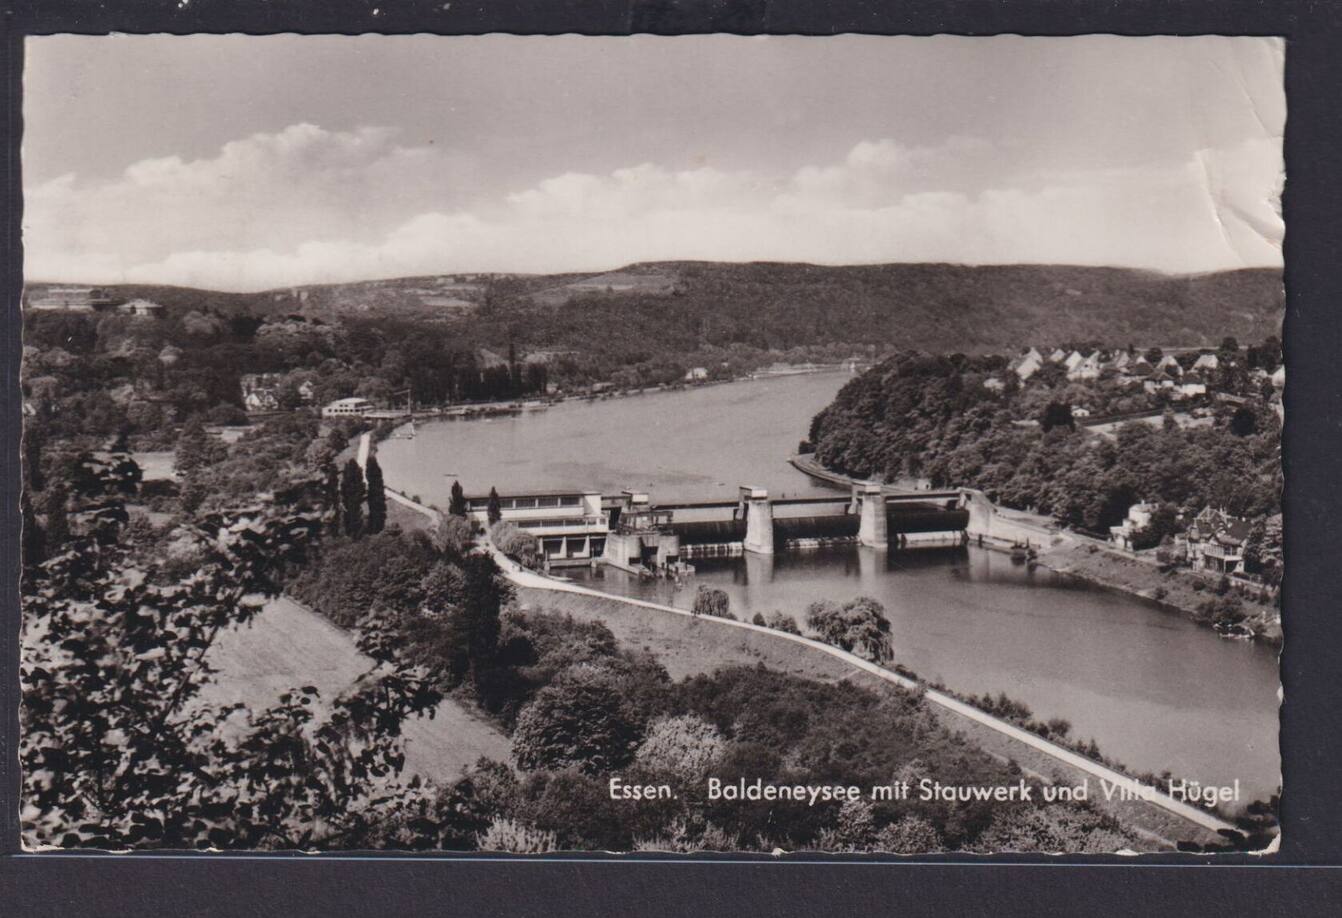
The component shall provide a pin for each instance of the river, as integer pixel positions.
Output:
(1154, 690)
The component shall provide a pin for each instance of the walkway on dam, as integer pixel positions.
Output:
(1194, 814)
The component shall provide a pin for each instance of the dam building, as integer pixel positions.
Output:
(633, 532)
(571, 526)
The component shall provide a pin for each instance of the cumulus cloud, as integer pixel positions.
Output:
(307, 205)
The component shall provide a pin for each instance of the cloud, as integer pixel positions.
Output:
(307, 205)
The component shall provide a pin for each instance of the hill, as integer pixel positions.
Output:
(647, 311)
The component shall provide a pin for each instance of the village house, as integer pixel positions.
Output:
(993, 384)
(1207, 362)
(139, 307)
(1072, 360)
(1215, 541)
(1027, 364)
(1138, 518)
(696, 374)
(1087, 368)
(1057, 356)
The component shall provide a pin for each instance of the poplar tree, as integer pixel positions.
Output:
(377, 497)
(457, 505)
(351, 499)
(495, 511)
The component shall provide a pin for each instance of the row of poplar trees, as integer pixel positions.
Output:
(349, 491)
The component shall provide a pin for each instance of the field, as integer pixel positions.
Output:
(288, 645)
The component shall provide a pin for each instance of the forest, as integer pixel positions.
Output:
(924, 416)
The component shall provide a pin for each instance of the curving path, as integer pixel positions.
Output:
(1148, 793)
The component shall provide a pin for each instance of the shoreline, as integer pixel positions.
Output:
(1070, 555)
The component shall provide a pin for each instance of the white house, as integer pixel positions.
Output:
(1207, 362)
(696, 374)
(1073, 359)
(1138, 518)
(1087, 368)
(993, 384)
(347, 408)
(1028, 364)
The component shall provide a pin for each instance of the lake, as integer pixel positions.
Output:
(1154, 690)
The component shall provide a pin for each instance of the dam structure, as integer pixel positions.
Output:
(634, 532)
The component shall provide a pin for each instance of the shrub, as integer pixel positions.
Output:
(781, 622)
(710, 601)
(522, 547)
(505, 834)
(685, 745)
(859, 626)
(580, 720)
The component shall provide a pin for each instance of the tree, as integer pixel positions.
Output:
(683, 745)
(196, 449)
(710, 601)
(351, 499)
(780, 622)
(1244, 423)
(457, 505)
(581, 720)
(494, 511)
(1057, 414)
(118, 748)
(331, 495)
(377, 497)
(859, 626)
(34, 539)
(54, 505)
(453, 535)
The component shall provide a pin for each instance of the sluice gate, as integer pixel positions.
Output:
(868, 516)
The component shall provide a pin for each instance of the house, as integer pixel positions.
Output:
(1170, 366)
(696, 374)
(1207, 362)
(1079, 412)
(1190, 389)
(1138, 518)
(74, 299)
(1087, 368)
(347, 408)
(1072, 360)
(1057, 356)
(1279, 377)
(1216, 541)
(1121, 360)
(1027, 364)
(139, 307)
(993, 384)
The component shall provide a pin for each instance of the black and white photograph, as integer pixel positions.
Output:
(847, 444)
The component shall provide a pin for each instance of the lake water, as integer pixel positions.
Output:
(1153, 689)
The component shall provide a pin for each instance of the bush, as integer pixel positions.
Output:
(581, 720)
(685, 745)
(713, 602)
(858, 626)
(780, 622)
(522, 547)
(505, 834)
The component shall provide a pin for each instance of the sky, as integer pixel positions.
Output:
(248, 163)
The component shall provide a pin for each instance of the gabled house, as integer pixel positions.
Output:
(1087, 368)
(1073, 359)
(1169, 365)
(1027, 364)
(1057, 356)
(1207, 362)
(1216, 541)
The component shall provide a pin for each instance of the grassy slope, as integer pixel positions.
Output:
(288, 645)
